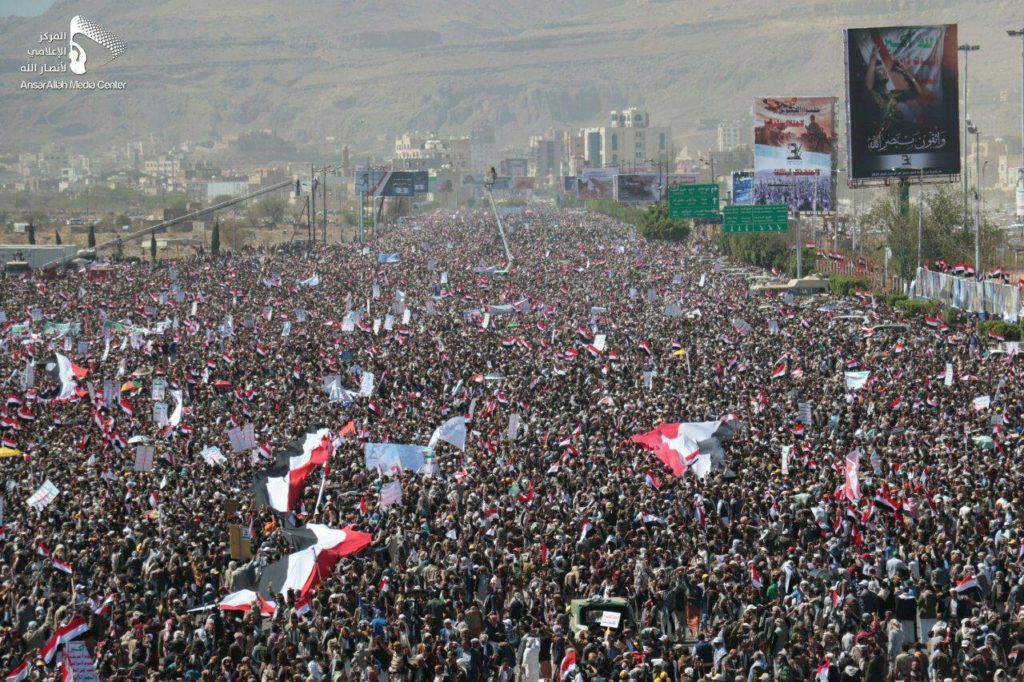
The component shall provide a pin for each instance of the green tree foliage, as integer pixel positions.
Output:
(56, 238)
(215, 239)
(269, 211)
(152, 246)
(654, 223)
(31, 233)
(92, 236)
(613, 209)
(947, 234)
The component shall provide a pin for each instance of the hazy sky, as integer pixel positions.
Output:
(24, 8)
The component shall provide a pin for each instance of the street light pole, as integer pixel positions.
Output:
(920, 213)
(973, 129)
(1020, 34)
(967, 50)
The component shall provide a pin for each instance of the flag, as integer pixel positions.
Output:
(61, 566)
(587, 525)
(362, 505)
(318, 548)
(851, 488)
(61, 370)
(452, 431)
(652, 480)
(678, 446)
(755, 577)
(966, 583)
(76, 627)
(856, 380)
(19, 673)
(242, 600)
(779, 371)
(568, 663)
(42, 550)
(822, 672)
(302, 605)
(281, 486)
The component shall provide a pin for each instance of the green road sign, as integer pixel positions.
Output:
(693, 201)
(767, 218)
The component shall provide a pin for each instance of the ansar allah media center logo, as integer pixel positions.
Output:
(74, 57)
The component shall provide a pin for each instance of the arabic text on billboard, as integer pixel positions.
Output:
(793, 152)
(902, 108)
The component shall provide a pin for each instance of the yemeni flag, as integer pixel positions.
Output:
(318, 549)
(281, 486)
(779, 371)
(20, 673)
(821, 673)
(61, 370)
(75, 628)
(966, 583)
(61, 566)
(242, 600)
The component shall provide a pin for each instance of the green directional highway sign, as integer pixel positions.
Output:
(766, 218)
(693, 201)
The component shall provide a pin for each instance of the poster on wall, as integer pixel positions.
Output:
(903, 117)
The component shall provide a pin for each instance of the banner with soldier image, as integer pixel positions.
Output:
(793, 152)
(903, 116)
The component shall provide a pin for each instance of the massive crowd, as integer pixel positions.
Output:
(768, 568)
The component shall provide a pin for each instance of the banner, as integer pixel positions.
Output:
(598, 183)
(903, 117)
(793, 152)
(389, 457)
(989, 297)
(637, 187)
(743, 187)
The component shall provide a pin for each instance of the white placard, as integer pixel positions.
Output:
(366, 384)
(286, 328)
(406, 316)
(390, 493)
(376, 326)
(160, 414)
(444, 278)
(982, 402)
(610, 619)
(242, 438)
(487, 321)
(948, 378)
(144, 458)
(599, 342)
(389, 322)
(46, 494)
(213, 456)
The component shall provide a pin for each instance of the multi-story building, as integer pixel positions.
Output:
(733, 134)
(629, 141)
(482, 150)
(546, 154)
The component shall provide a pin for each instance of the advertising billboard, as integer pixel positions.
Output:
(674, 179)
(420, 182)
(903, 117)
(598, 183)
(793, 152)
(637, 187)
(743, 187)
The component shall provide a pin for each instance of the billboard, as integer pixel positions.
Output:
(598, 183)
(793, 152)
(743, 187)
(673, 179)
(903, 117)
(637, 187)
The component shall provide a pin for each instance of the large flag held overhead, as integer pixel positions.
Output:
(320, 548)
(280, 487)
(856, 380)
(688, 444)
(452, 431)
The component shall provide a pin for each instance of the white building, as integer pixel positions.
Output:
(733, 134)
(628, 141)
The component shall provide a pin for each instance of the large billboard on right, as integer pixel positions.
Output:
(903, 116)
(793, 154)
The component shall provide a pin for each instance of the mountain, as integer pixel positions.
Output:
(364, 70)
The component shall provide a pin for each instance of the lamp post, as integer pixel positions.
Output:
(1020, 34)
(967, 50)
(973, 130)
(661, 182)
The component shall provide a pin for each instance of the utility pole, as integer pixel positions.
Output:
(920, 214)
(1020, 34)
(312, 206)
(323, 182)
(967, 50)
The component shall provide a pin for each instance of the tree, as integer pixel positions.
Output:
(654, 223)
(152, 246)
(92, 236)
(31, 233)
(215, 239)
(56, 235)
(269, 211)
(946, 232)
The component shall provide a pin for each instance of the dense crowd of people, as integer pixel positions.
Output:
(773, 566)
